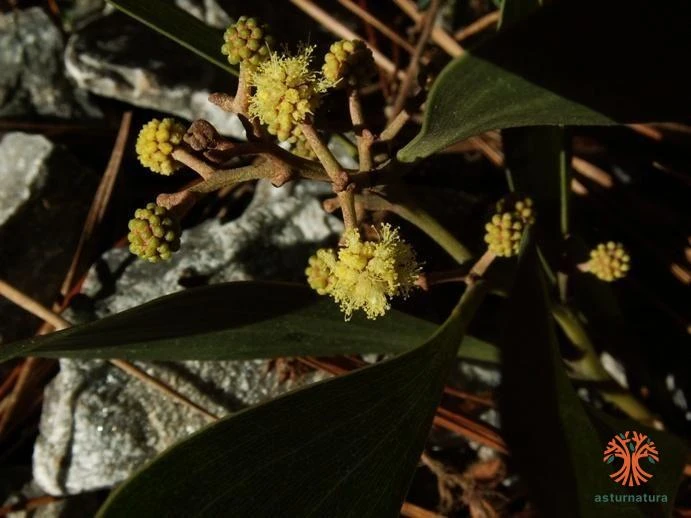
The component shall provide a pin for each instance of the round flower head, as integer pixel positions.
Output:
(156, 142)
(349, 63)
(365, 275)
(505, 229)
(287, 93)
(609, 261)
(247, 41)
(302, 148)
(320, 270)
(154, 233)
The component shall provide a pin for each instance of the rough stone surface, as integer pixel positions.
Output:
(207, 11)
(32, 79)
(98, 424)
(106, 57)
(22, 170)
(44, 196)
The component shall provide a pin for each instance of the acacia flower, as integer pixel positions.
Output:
(247, 41)
(609, 261)
(365, 275)
(349, 63)
(505, 229)
(154, 233)
(287, 93)
(156, 142)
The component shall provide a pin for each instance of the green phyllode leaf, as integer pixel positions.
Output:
(344, 447)
(573, 62)
(180, 26)
(558, 446)
(237, 321)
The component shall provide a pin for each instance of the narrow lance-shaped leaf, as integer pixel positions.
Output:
(237, 321)
(557, 447)
(344, 447)
(573, 62)
(180, 26)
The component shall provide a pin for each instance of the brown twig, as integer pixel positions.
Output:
(99, 205)
(363, 135)
(367, 17)
(478, 25)
(592, 172)
(414, 511)
(395, 126)
(32, 306)
(29, 505)
(341, 31)
(439, 35)
(414, 65)
(192, 161)
(340, 179)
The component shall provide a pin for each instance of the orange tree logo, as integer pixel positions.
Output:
(631, 448)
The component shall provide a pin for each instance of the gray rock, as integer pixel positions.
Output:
(99, 424)
(119, 58)
(33, 79)
(80, 12)
(45, 194)
(207, 11)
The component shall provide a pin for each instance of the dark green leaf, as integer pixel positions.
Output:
(234, 321)
(572, 62)
(345, 447)
(178, 25)
(557, 447)
(513, 11)
(538, 163)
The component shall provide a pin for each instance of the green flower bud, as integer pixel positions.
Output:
(349, 63)
(247, 42)
(154, 233)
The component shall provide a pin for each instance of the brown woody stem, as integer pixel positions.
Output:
(362, 134)
(340, 179)
(395, 126)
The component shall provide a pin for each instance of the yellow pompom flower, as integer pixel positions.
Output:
(365, 275)
(156, 142)
(349, 63)
(286, 93)
(302, 148)
(505, 230)
(320, 270)
(609, 261)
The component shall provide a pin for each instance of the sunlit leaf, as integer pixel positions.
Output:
(344, 447)
(572, 62)
(237, 321)
(180, 26)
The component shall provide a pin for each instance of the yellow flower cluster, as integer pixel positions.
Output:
(286, 93)
(302, 148)
(349, 63)
(505, 229)
(609, 261)
(154, 233)
(365, 275)
(247, 41)
(156, 142)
